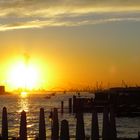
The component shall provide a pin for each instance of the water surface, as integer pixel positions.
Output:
(126, 127)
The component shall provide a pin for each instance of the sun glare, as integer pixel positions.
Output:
(22, 76)
(23, 94)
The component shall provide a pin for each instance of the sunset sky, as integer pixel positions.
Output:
(71, 43)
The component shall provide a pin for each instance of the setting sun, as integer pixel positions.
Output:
(22, 76)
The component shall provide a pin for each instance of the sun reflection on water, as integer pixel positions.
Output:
(23, 103)
(24, 94)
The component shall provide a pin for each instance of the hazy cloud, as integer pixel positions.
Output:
(19, 14)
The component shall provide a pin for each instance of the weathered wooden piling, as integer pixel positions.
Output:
(74, 103)
(42, 126)
(80, 131)
(87, 138)
(23, 126)
(55, 125)
(138, 135)
(113, 122)
(70, 105)
(94, 126)
(64, 134)
(62, 107)
(4, 124)
(106, 125)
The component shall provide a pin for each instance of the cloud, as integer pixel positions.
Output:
(47, 8)
(21, 14)
(55, 23)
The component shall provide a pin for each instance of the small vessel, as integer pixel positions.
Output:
(52, 94)
(47, 97)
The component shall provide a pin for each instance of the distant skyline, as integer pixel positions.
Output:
(71, 43)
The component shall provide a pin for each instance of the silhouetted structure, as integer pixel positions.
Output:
(42, 127)
(126, 101)
(64, 134)
(4, 124)
(94, 126)
(113, 122)
(55, 125)
(82, 104)
(74, 104)
(106, 125)
(80, 131)
(109, 126)
(23, 127)
(62, 107)
(70, 105)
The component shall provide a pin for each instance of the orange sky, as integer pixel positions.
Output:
(74, 44)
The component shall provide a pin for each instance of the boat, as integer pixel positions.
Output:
(53, 94)
(47, 97)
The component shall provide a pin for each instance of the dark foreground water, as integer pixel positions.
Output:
(126, 127)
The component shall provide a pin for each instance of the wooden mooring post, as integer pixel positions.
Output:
(109, 123)
(64, 134)
(109, 126)
(42, 127)
(139, 135)
(106, 124)
(4, 124)
(74, 104)
(94, 126)
(23, 127)
(55, 125)
(80, 131)
(62, 107)
(70, 105)
(113, 123)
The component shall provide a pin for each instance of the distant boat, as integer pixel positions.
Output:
(47, 97)
(53, 94)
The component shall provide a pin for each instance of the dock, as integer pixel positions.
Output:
(125, 101)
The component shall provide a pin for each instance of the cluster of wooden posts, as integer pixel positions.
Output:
(108, 133)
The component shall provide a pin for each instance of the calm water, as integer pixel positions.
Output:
(126, 127)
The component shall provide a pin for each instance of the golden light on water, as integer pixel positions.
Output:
(23, 103)
(24, 94)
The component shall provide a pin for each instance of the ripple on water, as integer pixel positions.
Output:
(126, 127)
